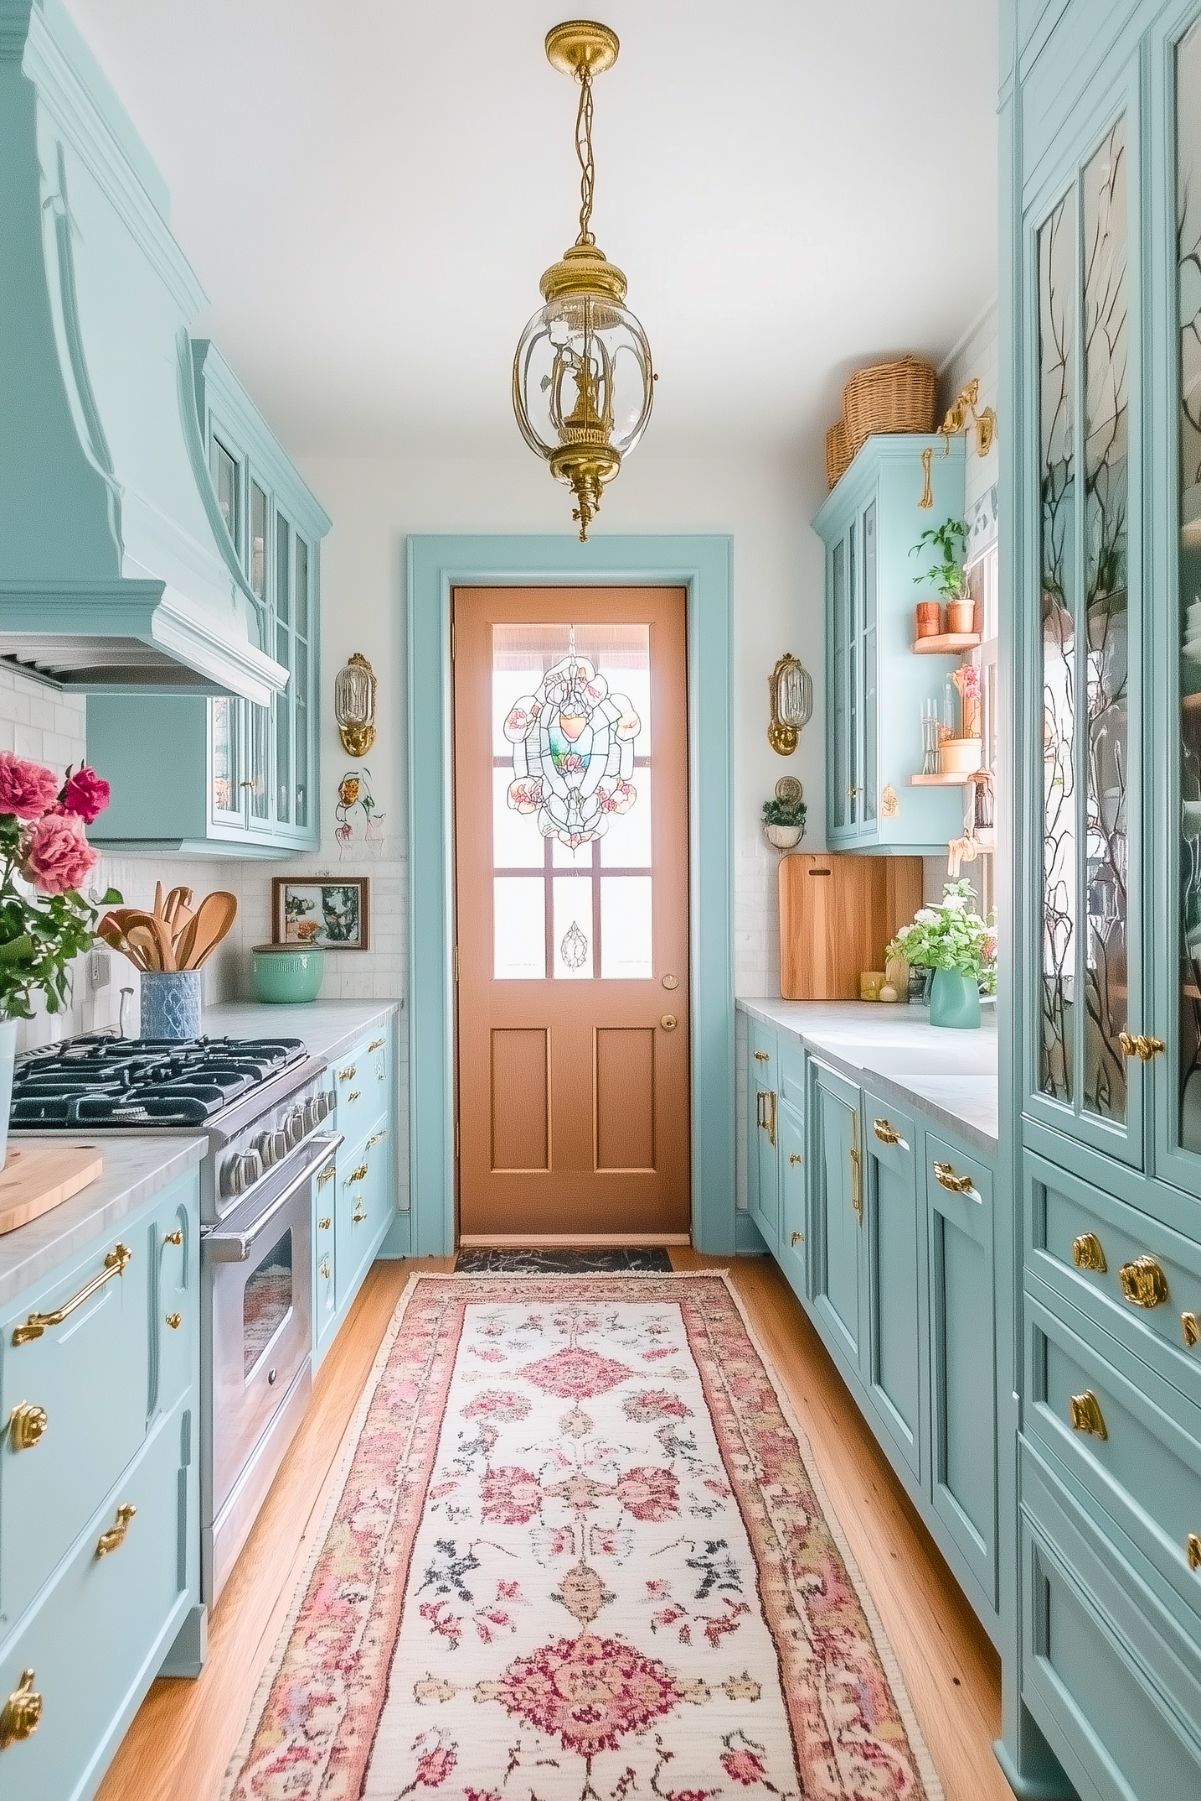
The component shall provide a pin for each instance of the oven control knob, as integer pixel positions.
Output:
(271, 1146)
(294, 1125)
(313, 1113)
(243, 1171)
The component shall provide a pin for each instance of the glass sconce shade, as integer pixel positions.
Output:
(354, 705)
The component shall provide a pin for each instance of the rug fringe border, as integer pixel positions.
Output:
(340, 1470)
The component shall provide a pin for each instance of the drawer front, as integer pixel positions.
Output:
(1138, 1280)
(792, 1072)
(74, 1401)
(362, 1198)
(836, 1261)
(97, 1637)
(1109, 1680)
(894, 1365)
(362, 1083)
(325, 1296)
(762, 1052)
(963, 1425)
(173, 1258)
(793, 1243)
(1129, 1440)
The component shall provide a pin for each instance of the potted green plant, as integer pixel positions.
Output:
(961, 949)
(784, 821)
(947, 545)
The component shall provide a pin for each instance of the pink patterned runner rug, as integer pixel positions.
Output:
(575, 1554)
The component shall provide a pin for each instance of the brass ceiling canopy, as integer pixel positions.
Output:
(584, 334)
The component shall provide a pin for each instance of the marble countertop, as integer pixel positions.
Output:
(134, 1169)
(327, 1027)
(949, 1076)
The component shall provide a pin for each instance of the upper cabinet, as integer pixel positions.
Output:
(241, 778)
(876, 687)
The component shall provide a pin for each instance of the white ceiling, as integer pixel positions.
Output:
(370, 189)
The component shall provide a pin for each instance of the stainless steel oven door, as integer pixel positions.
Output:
(259, 1278)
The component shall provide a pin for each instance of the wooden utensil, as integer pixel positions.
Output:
(160, 934)
(115, 938)
(145, 941)
(212, 921)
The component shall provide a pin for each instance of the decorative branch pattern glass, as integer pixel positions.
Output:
(1188, 873)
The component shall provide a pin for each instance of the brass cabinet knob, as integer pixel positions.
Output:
(1190, 1325)
(377, 1138)
(1088, 1254)
(851, 793)
(1084, 1411)
(359, 1215)
(175, 1321)
(795, 1157)
(175, 1237)
(348, 1074)
(1192, 1550)
(355, 1094)
(21, 1714)
(114, 1538)
(327, 1174)
(947, 1177)
(377, 1044)
(26, 1425)
(1138, 1044)
(797, 1238)
(761, 1056)
(325, 1269)
(323, 1225)
(358, 1174)
(1143, 1283)
(886, 1133)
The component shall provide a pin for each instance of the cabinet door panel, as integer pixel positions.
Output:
(835, 1212)
(868, 636)
(893, 1367)
(840, 690)
(793, 1243)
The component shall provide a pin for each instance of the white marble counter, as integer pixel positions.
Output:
(949, 1076)
(134, 1169)
(327, 1027)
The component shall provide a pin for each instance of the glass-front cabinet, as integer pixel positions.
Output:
(244, 776)
(876, 687)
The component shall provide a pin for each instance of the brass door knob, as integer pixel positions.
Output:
(669, 1022)
(21, 1714)
(26, 1425)
(1138, 1044)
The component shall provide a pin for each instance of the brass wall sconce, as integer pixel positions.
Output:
(355, 689)
(963, 411)
(790, 688)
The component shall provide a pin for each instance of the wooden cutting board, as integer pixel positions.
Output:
(39, 1176)
(836, 915)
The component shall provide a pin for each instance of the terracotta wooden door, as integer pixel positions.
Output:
(571, 828)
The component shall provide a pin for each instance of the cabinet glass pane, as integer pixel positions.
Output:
(1106, 496)
(226, 797)
(302, 588)
(1188, 212)
(1057, 312)
(258, 540)
(855, 606)
(225, 481)
(283, 759)
(283, 569)
(868, 804)
(258, 723)
(840, 634)
(302, 765)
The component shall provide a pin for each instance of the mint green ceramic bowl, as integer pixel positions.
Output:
(286, 973)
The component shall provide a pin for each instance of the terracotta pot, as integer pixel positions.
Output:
(961, 615)
(928, 618)
(960, 756)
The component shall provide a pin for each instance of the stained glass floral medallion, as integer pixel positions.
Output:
(573, 752)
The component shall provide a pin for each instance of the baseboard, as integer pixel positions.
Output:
(569, 1241)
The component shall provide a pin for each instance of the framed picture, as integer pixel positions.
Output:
(332, 915)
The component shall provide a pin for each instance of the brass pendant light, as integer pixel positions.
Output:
(583, 383)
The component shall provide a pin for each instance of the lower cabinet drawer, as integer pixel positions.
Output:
(362, 1083)
(366, 1198)
(72, 1677)
(1110, 1681)
(790, 1133)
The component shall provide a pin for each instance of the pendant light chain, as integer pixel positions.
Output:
(583, 149)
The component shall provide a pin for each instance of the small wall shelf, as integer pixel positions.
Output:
(944, 779)
(946, 644)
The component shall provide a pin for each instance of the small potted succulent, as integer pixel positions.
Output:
(947, 544)
(961, 949)
(784, 815)
(45, 921)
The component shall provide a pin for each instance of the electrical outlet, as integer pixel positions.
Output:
(100, 970)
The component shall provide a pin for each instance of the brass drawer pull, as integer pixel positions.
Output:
(114, 1538)
(1138, 1044)
(175, 1321)
(1143, 1283)
(1088, 1254)
(359, 1174)
(856, 1171)
(795, 1157)
(35, 1325)
(797, 1238)
(1192, 1548)
(325, 1269)
(356, 1094)
(761, 1056)
(26, 1425)
(327, 1174)
(376, 1138)
(348, 1074)
(359, 1214)
(21, 1714)
(886, 1133)
(1086, 1416)
(947, 1177)
(1190, 1324)
(175, 1237)
(377, 1044)
(323, 1225)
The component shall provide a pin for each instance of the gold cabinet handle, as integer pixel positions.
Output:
(114, 1538)
(327, 1174)
(795, 1157)
(377, 1044)
(948, 1177)
(323, 1225)
(797, 1238)
(21, 1714)
(1190, 1324)
(377, 1138)
(325, 1269)
(1138, 1044)
(175, 1321)
(1192, 1550)
(761, 1056)
(26, 1425)
(1143, 1283)
(359, 1214)
(856, 1172)
(35, 1325)
(359, 1174)
(348, 1074)
(175, 1237)
(769, 1108)
(851, 793)
(1087, 1253)
(355, 1094)
(886, 1133)
(1084, 1411)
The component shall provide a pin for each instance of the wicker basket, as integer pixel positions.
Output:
(890, 397)
(838, 453)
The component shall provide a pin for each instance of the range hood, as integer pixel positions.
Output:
(116, 570)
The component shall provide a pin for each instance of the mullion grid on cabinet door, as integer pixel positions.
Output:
(284, 652)
(226, 721)
(257, 720)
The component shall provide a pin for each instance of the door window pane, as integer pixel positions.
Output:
(266, 1301)
(519, 928)
(1188, 212)
(514, 845)
(302, 587)
(258, 540)
(572, 936)
(223, 723)
(627, 843)
(259, 750)
(626, 936)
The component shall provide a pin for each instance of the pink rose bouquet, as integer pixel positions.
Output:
(45, 859)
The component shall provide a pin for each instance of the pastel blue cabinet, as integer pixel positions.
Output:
(875, 685)
(837, 1264)
(241, 779)
(895, 1350)
(99, 1496)
(763, 1163)
(794, 1260)
(354, 1197)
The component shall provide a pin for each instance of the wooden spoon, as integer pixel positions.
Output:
(115, 938)
(200, 938)
(160, 933)
(158, 900)
(146, 942)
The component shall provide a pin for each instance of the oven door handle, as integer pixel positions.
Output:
(235, 1247)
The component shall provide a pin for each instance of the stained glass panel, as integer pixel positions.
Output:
(573, 752)
(1188, 241)
(518, 928)
(626, 937)
(572, 930)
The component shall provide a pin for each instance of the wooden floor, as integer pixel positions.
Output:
(179, 1745)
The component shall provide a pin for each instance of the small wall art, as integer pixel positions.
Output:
(319, 911)
(359, 819)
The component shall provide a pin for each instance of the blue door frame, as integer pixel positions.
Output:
(700, 565)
